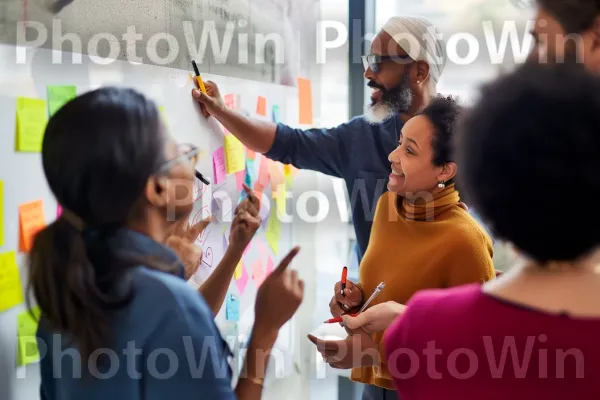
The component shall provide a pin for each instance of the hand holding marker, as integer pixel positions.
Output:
(376, 292)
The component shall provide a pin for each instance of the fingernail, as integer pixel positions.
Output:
(195, 93)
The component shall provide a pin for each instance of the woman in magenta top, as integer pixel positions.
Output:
(530, 157)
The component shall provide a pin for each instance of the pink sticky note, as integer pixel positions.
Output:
(258, 273)
(263, 172)
(242, 281)
(262, 248)
(58, 211)
(239, 179)
(270, 266)
(219, 166)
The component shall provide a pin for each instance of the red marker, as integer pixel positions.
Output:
(344, 275)
(337, 319)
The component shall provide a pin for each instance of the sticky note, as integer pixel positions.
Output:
(232, 308)
(250, 154)
(305, 115)
(258, 273)
(261, 106)
(27, 324)
(263, 172)
(11, 293)
(229, 100)
(242, 281)
(280, 198)
(1, 213)
(275, 114)
(59, 211)
(273, 232)
(238, 271)
(58, 96)
(276, 173)
(234, 154)
(163, 113)
(240, 177)
(219, 167)
(270, 266)
(31, 218)
(32, 117)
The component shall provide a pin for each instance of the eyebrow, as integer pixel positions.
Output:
(413, 141)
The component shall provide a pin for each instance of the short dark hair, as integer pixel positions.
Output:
(575, 16)
(442, 112)
(529, 153)
(98, 152)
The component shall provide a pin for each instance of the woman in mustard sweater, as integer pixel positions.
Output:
(422, 237)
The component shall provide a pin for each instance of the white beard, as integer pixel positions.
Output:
(378, 113)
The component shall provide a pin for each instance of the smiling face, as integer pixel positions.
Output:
(391, 83)
(413, 170)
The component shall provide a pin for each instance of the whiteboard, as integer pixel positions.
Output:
(24, 179)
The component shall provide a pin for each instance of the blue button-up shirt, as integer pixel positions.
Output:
(356, 151)
(165, 342)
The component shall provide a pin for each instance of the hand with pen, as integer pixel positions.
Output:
(246, 221)
(345, 299)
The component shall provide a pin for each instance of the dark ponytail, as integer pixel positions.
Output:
(99, 151)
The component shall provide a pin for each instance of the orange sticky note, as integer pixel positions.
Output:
(250, 154)
(31, 218)
(261, 106)
(276, 173)
(305, 115)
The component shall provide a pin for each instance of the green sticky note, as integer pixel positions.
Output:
(58, 96)
(32, 118)
(11, 292)
(27, 324)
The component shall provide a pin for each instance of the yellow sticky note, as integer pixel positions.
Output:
(11, 293)
(280, 198)
(273, 232)
(32, 118)
(234, 154)
(28, 351)
(1, 213)
(31, 218)
(164, 114)
(238, 271)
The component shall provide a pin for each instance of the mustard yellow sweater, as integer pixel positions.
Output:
(430, 244)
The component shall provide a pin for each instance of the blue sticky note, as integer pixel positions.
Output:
(232, 308)
(275, 113)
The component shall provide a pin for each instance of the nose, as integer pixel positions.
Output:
(369, 74)
(394, 156)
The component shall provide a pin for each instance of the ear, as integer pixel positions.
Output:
(156, 191)
(422, 71)
(448, 172)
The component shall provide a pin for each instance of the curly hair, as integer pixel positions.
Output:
(575, 16)
(529, 153)
(442, 112)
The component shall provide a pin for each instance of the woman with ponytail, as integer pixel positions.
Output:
(118, 319)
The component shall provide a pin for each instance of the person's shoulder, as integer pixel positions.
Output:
(450, 298)
(465, 229)
(165, 292)
(360, 124)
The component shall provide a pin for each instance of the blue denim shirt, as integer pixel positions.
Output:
(356, 151)
(166, 344)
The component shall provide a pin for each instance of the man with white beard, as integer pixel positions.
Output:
(404, 66)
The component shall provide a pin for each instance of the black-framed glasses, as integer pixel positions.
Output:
(192, 154)
(373, 60)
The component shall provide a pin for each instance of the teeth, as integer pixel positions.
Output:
(397, 173)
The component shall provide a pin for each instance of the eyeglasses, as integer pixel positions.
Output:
(373, 60)
(192, 154)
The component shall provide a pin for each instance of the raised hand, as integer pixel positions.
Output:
(279, 296)
(246, 221)
(341, 304)
(181, 240)
(211, 102)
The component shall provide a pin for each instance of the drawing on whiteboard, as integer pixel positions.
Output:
(207, 257)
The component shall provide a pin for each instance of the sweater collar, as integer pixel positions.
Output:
(428, 209)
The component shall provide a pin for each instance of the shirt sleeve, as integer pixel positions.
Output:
(322, 150)
(188, 357)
